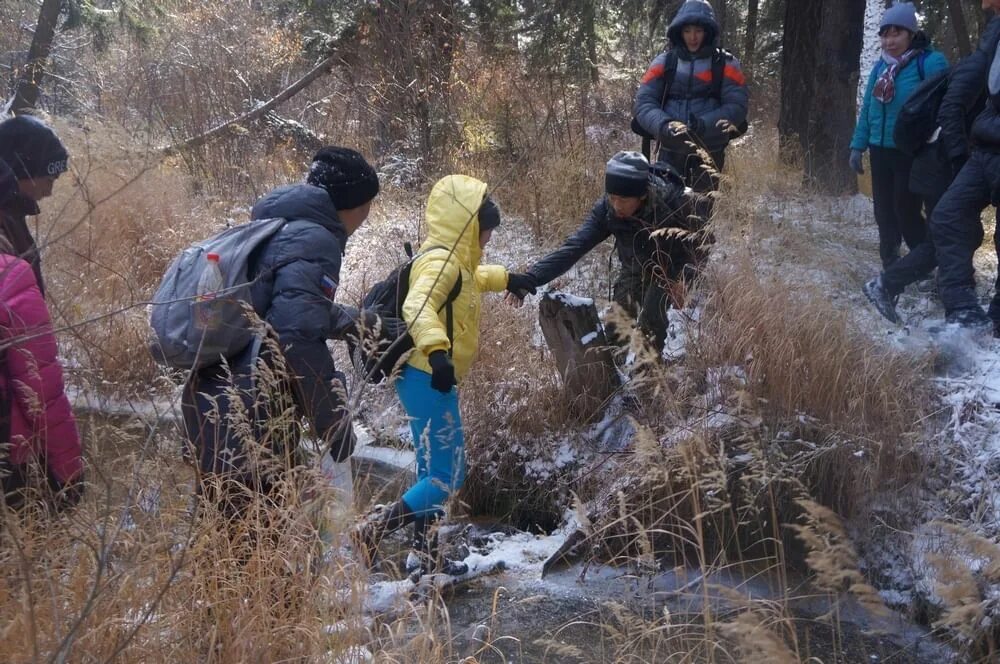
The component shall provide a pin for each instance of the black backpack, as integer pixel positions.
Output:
(719, 57)
(917, 119)
(378, 357)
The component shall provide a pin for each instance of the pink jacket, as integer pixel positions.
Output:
(41, 420)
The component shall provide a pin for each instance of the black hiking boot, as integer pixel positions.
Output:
(424, 558)
(971, 318)
(877, 294)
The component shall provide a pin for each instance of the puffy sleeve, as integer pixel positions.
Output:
(491, 278)
(432, 277)
(34, 373)
(862, 132)
(303, 318)
(648, 109)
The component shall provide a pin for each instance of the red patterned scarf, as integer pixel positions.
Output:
(885, 87)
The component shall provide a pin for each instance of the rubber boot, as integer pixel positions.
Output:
(425, 558)
(369, 532)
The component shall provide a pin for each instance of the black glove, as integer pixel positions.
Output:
(520, 284)
(442, 371)
(696, 125)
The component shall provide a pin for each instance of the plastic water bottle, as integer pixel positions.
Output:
(208, 315)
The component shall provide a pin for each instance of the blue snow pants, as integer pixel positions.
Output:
(437, 439)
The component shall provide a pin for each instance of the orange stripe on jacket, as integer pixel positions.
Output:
(653, 73)
(730, 72)
(735, 75)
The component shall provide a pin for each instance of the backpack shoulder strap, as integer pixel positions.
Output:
(719, 58)
(920, 64)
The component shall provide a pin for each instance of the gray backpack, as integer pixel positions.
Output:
(193, 332)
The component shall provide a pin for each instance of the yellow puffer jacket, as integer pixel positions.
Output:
(454, 200)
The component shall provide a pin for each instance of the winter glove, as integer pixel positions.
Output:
(520, 284)
(856, 164)
(442, 371)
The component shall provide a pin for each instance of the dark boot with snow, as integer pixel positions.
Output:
(425, 558)
(368, 533)
(885, 303)
(972, 318)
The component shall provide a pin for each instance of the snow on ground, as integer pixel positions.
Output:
(828, 247)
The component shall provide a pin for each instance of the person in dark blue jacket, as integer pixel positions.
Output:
(957, 225)
(907, 59)
(295, 280)
(695, 107)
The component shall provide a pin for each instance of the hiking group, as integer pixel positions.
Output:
(933, 133)
(249, 374)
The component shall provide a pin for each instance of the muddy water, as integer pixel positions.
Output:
(532, 614)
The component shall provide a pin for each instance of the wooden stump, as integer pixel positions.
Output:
(577, 341)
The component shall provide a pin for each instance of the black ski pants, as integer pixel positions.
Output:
(897, 209)
(957, 230)
(914, 266)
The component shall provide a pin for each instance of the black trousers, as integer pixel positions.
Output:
(897, 209)
(957, 230)
(692, 168)
(914, 266)
(645, 299)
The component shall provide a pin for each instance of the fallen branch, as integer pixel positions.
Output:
(257, 112)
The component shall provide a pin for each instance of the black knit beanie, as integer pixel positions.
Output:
(627, 174)
(31, 149)
(347, 177)
(489, 214)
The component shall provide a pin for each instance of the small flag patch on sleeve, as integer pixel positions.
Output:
(329, 286)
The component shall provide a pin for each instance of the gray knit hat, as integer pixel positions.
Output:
(902, 15)
(627, 174)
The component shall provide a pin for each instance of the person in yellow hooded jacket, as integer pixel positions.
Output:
(460, 219)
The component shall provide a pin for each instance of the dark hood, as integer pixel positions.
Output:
(694, 12)
(300, 201)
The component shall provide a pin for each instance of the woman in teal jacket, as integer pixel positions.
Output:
(907, 60)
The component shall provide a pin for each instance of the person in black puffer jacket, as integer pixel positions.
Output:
(690, 109)
(295, 279)
(653, 266)
(956, 225)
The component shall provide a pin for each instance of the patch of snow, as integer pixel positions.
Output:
(590, 337)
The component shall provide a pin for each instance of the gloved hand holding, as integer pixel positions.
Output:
(856, 164)
(521, 284)
(696, 125)
(442, 371)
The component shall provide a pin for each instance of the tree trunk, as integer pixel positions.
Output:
(590, 36)
(29, 83)
(750, 41)
(821, 51)
(574, 334)
(961, 27)
(720, 16)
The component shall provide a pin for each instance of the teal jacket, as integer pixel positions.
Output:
(877, 121)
